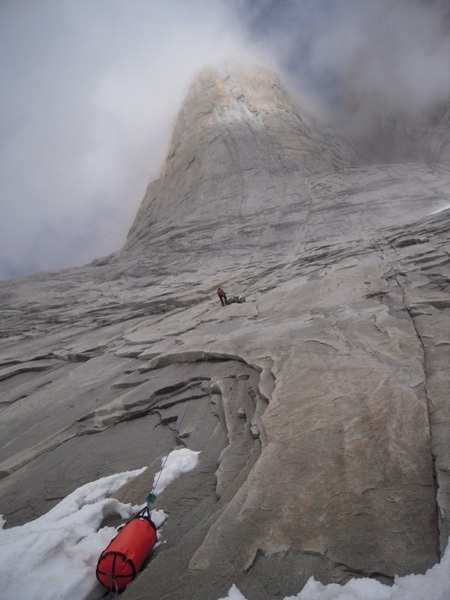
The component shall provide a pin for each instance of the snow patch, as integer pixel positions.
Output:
(433, 585)
(55, 556)
(175, 464)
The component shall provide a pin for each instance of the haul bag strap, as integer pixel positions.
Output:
(112, 572)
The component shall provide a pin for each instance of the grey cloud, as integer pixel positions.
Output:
(381, 67)
(85, 114)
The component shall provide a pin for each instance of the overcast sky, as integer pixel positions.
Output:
(90, 88)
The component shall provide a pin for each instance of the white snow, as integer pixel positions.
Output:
(433, 585)
(234, 594)
(175, 464)
(55, 556)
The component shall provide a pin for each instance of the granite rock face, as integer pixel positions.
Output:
(320, 405)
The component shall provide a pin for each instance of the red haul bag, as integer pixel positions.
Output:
(123, 558)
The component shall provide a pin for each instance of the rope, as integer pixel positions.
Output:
(114, 588)
(152, 496)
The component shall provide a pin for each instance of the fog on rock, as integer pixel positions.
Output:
(319, 406)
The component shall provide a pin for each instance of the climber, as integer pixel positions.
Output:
(222, 296)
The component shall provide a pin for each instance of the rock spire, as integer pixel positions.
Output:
(319, 406)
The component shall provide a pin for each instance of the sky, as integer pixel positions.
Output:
(90, 90)
(54, 557)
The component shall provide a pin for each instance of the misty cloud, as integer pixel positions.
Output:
(381, 66)
(396, 83)
(92, 90)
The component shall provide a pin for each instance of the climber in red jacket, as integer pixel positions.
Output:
(222, 296)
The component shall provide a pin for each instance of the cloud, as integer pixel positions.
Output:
(400, 49)
(89, 93)
(381, 66)
(90, 89)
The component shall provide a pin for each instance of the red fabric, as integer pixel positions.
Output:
(123, 558)
(219, 291)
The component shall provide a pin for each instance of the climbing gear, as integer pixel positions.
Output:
(123, 558)
(125, 555)
(237, 298)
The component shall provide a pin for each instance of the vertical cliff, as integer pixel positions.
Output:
(319, 406)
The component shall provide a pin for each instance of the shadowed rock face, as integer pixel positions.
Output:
(320, 405)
